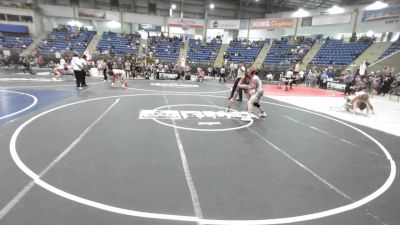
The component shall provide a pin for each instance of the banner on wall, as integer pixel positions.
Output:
(149, 27)
(185, 23)
(381, 14)
(344, 18)
(224, 24)
(306, 22)
(6, 52)
(14, 28)
(112, 16)
(94, 13)
(271, 23)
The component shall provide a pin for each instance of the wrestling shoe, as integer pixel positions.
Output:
(125, 85)
(227, 109)
(112, 84)
(264, 114)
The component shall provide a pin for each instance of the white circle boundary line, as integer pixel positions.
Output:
(199, 129)
(29, 79)
(334, 211)
(178, 92)
(35, 100)
(41, 86)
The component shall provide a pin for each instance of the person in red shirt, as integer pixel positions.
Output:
(200, 75)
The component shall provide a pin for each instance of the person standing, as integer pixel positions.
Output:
(83, 71)
(127, 69)
(222, 74)
(77, 67)
(349, 81)
(209, 71)
(200, 76)
(387, 82)
(288, 80)
(240, 74)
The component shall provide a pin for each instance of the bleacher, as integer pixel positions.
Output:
(283, 53)
(166, 49)
(338, 53)
(392, 49)
(204, 53)
(67, 38)
(241, 51)
(128, 43)
(9, 42)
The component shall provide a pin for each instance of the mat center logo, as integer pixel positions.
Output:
(184, 114)
(175, 85)
(197, 120)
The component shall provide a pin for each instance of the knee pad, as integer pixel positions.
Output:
(257, 105)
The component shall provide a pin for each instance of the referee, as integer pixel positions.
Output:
(240, 74)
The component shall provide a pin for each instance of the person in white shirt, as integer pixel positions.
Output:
(239, 76)
(77, 67)
(270, 77)
(231, 70)
(62, 62)
(222, 74)
(209, 71)
(288, 80)
(301, 75)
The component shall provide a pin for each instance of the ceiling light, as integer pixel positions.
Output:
(377, 5)
(369, 33)
(173, 6)
(113, 24)
(74, 23)
(212, 6)
(335, 10)
(301, 13)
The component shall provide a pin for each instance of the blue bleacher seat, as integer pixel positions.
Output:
(67, 38)
(127, 43)
(394, 47)
(239, 51)
(199, 52)
(338, 53)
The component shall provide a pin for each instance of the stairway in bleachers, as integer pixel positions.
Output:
(310, 55)
(394, 47)
(219, 61)
(393, 60)
(261, 56)
(143, 45)
(91, 48)
(371, 54)
(34, 44)
(183, 52)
